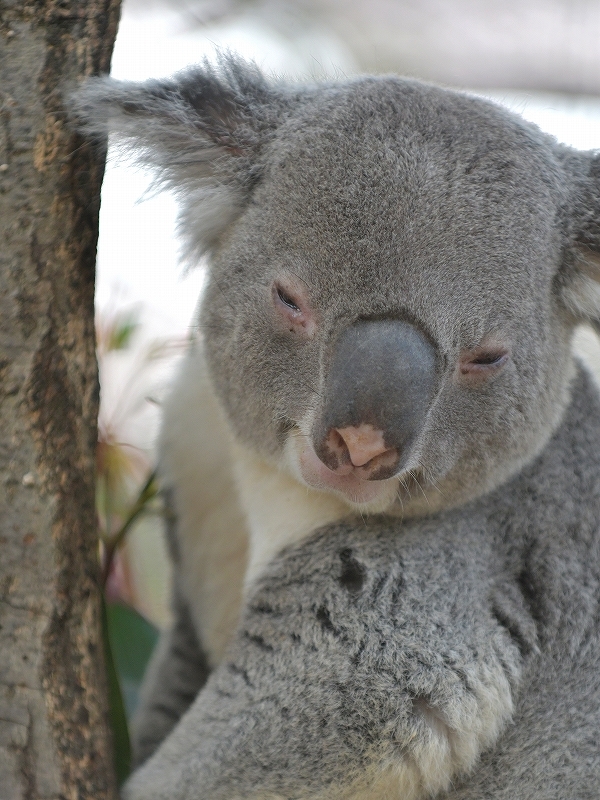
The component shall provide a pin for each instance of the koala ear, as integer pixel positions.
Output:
(202, 133)
(580, 282)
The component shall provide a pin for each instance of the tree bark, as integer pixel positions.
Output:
(54, 736)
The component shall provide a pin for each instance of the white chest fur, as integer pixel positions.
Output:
(280, 511)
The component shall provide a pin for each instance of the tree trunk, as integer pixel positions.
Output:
(54, 736)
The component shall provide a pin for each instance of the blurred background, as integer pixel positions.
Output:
(538, 57)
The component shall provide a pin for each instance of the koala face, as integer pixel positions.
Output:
(396, 272)
(383, 317)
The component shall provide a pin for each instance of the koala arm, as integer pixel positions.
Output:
(177, 672)
(552, 751)
(367, 664)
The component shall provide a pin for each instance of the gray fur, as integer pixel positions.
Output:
(353, 638)
(476, 593)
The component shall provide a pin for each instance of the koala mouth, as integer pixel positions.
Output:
(357, 485)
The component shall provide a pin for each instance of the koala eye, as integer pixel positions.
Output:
(483, 362)
(293, 308)
(490, 359)
(286, 299)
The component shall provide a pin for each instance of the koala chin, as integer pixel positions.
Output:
(381, 458)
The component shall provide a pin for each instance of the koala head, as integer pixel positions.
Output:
(396, 271)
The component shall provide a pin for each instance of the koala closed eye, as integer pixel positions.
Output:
(293, 308)
(482, 363)
(287, 300)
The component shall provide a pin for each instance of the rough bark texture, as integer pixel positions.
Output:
(54, 738)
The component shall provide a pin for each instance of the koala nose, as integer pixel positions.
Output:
(377, 390)
(360, 446)
(362, 442)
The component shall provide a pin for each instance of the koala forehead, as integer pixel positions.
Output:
(391, 189)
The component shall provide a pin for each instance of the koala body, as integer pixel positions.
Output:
(382, 457)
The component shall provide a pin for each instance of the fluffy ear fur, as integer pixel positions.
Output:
(580, 288)
(202, 132)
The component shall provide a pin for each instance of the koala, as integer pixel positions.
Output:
(381, 456)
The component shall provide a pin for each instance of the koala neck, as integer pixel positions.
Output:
(280, 511)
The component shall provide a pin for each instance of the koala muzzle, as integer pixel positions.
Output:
(377, 391)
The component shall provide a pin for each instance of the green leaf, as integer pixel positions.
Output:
(132, 640)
